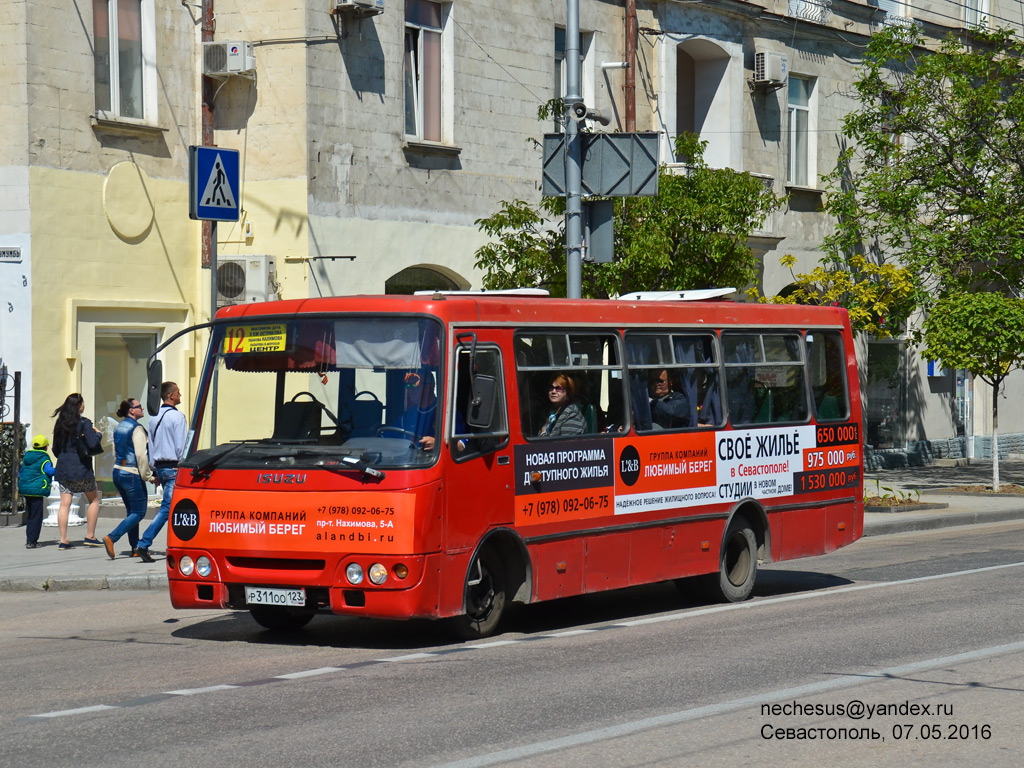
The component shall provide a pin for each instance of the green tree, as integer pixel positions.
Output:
(933, 177)
(693, 234)
(874, 294)
(931, 181)
(980, 332)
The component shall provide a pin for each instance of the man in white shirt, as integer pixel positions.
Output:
(167, 432)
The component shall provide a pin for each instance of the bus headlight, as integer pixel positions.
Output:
(204, 566)
(378, 574)
(354, 573)
(186, 566)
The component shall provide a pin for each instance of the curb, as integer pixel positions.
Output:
(139, 582)
(897, 508)
(930, 522)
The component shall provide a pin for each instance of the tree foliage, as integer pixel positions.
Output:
(980, 332)
(934, 177)
(930, 185)
(693, 234)
(878, 296)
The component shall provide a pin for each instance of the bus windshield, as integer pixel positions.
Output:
(358, 390)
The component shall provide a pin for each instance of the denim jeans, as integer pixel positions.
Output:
(166, 478)
(34, 507)
(134, 495)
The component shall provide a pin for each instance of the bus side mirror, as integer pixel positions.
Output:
(155, 377)
(480, 411)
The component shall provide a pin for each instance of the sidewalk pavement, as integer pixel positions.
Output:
(48, 569)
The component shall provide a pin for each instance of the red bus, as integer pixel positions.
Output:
(444, 455)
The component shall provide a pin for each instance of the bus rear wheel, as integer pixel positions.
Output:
(737, 569)
(485, 597)
(280, 618)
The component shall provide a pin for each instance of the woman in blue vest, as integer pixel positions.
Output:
(131, 472)
(34, 484)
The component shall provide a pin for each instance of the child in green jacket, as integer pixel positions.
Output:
(34, 480)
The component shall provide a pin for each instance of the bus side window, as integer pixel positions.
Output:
(570, 383)
(674, 382)
(826, 365)
(467, 441)
(764, 378)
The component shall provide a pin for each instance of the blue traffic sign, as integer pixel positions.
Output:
(213, 184)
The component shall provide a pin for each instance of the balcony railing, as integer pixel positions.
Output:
(818, 11)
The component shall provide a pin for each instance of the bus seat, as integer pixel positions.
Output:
(367, 416)
(763, 409)
(828, 408)
(298, 420)
(589, 416)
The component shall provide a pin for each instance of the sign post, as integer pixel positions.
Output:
(214, 194)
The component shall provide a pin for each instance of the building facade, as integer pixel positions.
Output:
(372, 136)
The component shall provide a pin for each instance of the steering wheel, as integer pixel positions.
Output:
(411, 436)
(323, 407)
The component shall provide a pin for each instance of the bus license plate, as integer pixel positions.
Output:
(275, 596)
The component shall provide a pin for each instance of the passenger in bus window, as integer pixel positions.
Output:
(565, 417)
(669, 409)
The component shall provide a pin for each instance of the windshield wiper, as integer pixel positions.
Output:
(351, 462)
(204, 470)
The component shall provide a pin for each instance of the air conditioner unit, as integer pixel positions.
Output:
(244, 279)
(360, 7)
(769, 68)
(224, 59)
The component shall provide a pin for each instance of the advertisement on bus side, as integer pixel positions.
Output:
(560, 481)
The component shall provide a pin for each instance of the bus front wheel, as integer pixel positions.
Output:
(737, 568)
(280, 618)
(485, 597)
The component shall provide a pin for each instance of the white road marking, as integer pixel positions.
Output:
(807, 596)
(196, 691)
(674, 718)
(309, 673)
(79, 711)
(632, 623)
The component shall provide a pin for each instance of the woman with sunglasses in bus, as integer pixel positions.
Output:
(565, 418)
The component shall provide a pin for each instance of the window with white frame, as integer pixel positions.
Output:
(424, 70)
(976, 13)
(586, 74)
(124, 55)
(799, 172)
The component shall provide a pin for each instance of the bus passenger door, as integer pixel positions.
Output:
(478, 478)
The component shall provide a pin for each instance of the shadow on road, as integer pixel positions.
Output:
(580, 612)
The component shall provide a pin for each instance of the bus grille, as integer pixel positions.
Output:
(276, 564)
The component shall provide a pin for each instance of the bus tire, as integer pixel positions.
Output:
(485, 597)
(280, 618)
(737, 569)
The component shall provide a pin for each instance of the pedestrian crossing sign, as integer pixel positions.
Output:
(213, 184)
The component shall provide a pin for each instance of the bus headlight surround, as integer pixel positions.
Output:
(186, 566)
(354, 573)
(378, 574)
(204, 566)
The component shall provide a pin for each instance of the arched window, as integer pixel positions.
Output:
(412, 279)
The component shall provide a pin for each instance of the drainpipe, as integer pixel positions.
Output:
(630, 66)
(207, 129)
